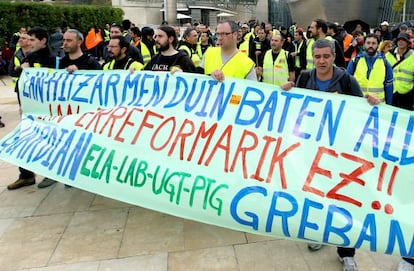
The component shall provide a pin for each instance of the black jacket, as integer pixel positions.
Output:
(41, 58)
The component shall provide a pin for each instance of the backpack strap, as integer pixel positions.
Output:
(303, 79)
(355, 62)
(345, 83)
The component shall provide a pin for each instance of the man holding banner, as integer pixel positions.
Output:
(372, 71)
(168, 58)
(227, 60)
(117, 50)
(329, 78)
(39, 56)
(76, 59)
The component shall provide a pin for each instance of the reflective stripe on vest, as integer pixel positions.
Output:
(277, 72)
(195, 58)
(404, 74)
(17, 63)
(244, 47)
(297, 57)
(309, 55)
(238, 66)
(130, 64)
(373, 85)
(107, 35)
(145, 52)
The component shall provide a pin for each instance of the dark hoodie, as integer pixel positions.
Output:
(41, 58)
(336, 84)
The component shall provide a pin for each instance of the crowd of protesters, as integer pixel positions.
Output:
(324, 56)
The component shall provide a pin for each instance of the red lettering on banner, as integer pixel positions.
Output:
(159, 130)
(78, 122)
(125, 123)
(226, 139)
(182, 136)
(243, 149)
(347, 179)
(256, 175)
(113, 117)
(145, 123)
(60, 112)
(203, 133)
(315, 169)
(278, 158)
(69, 111)
(96, 119)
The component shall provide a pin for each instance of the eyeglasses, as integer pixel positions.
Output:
(112, 46)
(222, 34)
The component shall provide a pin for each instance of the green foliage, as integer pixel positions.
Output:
(398, 5)
(50, 16)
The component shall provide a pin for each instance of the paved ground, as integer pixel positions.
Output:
(60, 229)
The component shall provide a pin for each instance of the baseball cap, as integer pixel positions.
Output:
(385, 23)
(245, 26)
(404, 36)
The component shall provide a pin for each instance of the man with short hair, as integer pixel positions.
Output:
(135, 37)
(261, 44)
(15, 64)
(300, 52)
(133, 52)
(318, 30)
(56, 43)
(329, 78)
(75, 59)
(278, 65)
(168, 58)
(372, 71)
(189, 45)
(117, 51)
(13, 45)
(204, 42)
(148, 47)
(269, 30)
(226, 59)
(39, 56)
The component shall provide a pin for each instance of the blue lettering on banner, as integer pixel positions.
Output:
(285, 207)
(57, 150)
(371, 128)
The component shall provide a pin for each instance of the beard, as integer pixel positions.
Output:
(371, 51)
(70, 50)
(163, 47)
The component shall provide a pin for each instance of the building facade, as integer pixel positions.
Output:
(278, 12)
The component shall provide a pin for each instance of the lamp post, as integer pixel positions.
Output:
(170, 11)
(404, 10)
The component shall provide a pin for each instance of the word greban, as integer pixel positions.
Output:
(286, 215)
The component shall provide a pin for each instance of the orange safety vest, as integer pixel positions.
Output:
(93, 39)
(347, 42)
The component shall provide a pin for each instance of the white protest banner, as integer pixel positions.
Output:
(238, 154)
